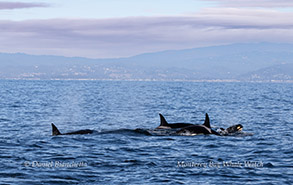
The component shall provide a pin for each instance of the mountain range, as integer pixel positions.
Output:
(234, 62)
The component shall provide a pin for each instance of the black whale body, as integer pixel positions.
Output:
(188, 128)
(165, 125)
(56, 132)
(198, 129)
(184, 129)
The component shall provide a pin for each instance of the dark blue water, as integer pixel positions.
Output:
(117, 153)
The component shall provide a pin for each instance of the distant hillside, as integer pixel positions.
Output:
(283, 72)
(245, 62)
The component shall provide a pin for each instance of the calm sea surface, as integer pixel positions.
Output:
(120, 153)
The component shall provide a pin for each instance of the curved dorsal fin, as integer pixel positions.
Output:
(55, 130)
(163, 121)
(207, 121)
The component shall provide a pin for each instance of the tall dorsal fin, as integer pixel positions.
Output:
(55, 130)
(207, 121)
(163, 121)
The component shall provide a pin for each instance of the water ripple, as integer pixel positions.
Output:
(125, 148)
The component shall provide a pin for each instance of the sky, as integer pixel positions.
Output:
(123, 28)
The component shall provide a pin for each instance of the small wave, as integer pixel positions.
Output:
(131, 161)
(62, 158)
(5, 156)
(35, 146)
(4, 120)
(168, 139)
(151, 164)
(239, 134)
(15, 106)
(268, 165)
(212, 146)
(12, 175)
(59, 181)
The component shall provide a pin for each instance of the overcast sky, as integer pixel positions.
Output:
(121, 28)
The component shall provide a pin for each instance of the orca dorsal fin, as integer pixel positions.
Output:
(207, 121)
(55, 130)
(163, 121)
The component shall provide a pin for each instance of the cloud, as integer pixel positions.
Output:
(133, 35)
(254, 3)
(18, 5)
(233, 18)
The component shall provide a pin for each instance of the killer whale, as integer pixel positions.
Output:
(198, 129)
(56, 132)
(230, 130)
(165, 125)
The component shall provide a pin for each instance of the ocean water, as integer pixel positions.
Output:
(123, 150)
